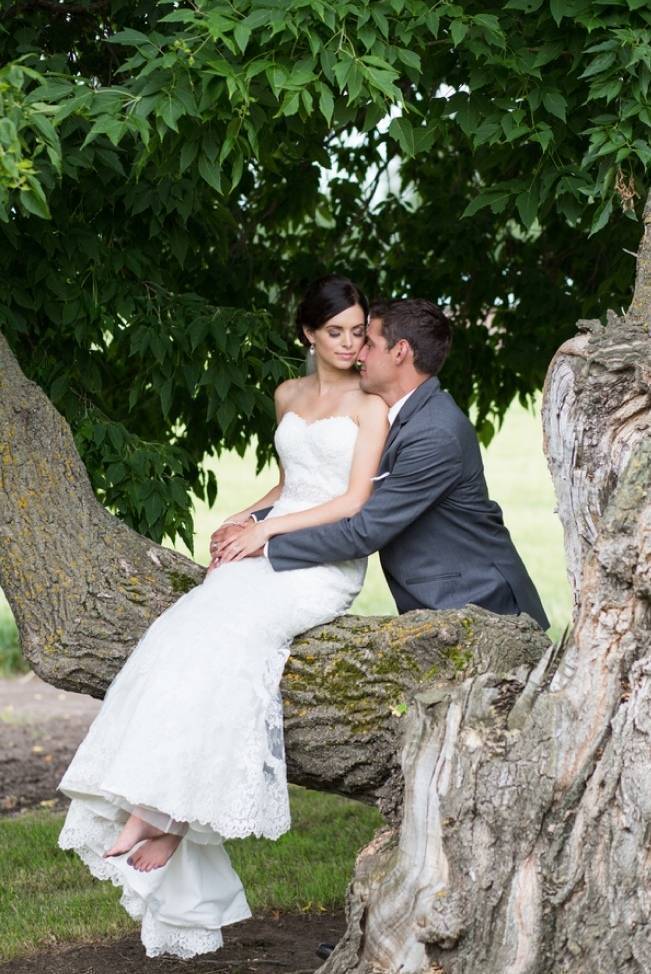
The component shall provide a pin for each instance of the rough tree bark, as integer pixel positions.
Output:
(513, 774)
(524, 841)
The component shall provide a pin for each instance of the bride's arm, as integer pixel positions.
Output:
(373, 429)
(270, 498)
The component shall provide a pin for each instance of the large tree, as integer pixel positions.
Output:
(155, 226)
(514, 774)
(173, 173)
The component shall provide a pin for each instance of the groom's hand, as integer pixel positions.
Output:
(249, 543)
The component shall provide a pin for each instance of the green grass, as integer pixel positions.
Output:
(11, 658)
(518, 480)
(48, 896)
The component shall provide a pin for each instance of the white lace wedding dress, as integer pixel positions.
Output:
(190, 730)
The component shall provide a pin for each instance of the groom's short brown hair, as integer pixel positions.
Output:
(422, 324)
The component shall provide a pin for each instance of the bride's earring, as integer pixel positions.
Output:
(311, 349)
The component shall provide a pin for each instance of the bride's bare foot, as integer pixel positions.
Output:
(135, 829)
(154, 853)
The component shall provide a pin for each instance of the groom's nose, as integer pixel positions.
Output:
(363, 352)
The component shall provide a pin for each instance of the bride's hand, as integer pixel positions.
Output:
(249, 541)
(226, 529)
(220, 537)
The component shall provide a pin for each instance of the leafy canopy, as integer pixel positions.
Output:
(173, 173)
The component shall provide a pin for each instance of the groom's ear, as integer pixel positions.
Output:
(402, 351)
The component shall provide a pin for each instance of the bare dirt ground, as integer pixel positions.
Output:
(266, 945)
(40, 729)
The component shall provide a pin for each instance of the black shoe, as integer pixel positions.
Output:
(324, 950)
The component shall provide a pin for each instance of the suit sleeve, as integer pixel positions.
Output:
(424, 471)
(261, 514)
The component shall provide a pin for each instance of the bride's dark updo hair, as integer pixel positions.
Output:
(326, 297)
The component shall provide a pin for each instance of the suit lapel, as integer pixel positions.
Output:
(420, 396)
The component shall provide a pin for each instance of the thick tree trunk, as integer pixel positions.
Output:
(523, 846)
(514, 775)
(81, 584)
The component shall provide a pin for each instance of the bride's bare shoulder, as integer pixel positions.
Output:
(287, 392)
(371, 407)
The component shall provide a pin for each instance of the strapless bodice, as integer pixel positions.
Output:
(316, 457)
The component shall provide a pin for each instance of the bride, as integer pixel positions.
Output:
(187, 749)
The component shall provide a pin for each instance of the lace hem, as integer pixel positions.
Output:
(184, 942)
(175, 920)
(199, 829)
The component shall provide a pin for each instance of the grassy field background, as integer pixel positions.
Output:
(518, 479)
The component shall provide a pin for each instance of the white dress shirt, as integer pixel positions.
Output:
(397, 406)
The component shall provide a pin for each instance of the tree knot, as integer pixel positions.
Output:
(443, 922)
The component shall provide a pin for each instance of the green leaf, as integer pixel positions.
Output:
(237, 168)
(165, 393)
(232, 132)
(153, 508)
(256, 19)
(189, 152)
(354, 83)
(59, 387)
(242, 35)
(489, 197)
(527, 206)
(547, 53)
(410, 58)
(601, 217)
(170, 110)
(433, 22)
(34, 201)
(401, 130)
(211, 488)
(374, 114)
(341, 71)
(458, 30)
(485, 433)
(45, 128)
(308, 101)
(489, 21)
(129, 37)
(178, 491)
(560, 9)
(486, 132)
(600, 64)
(114, 128)
(326, 103)
(226, 414)
(543, 135)
(555, 104)
(116, 472)
(210, 173)
(289, 104)
(380, 20)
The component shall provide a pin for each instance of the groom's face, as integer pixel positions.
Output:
(377, 368)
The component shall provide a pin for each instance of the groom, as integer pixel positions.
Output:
(442, 542)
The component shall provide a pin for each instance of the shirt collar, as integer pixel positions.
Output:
(397, 406)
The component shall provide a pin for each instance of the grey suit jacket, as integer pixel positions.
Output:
(442, 541)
